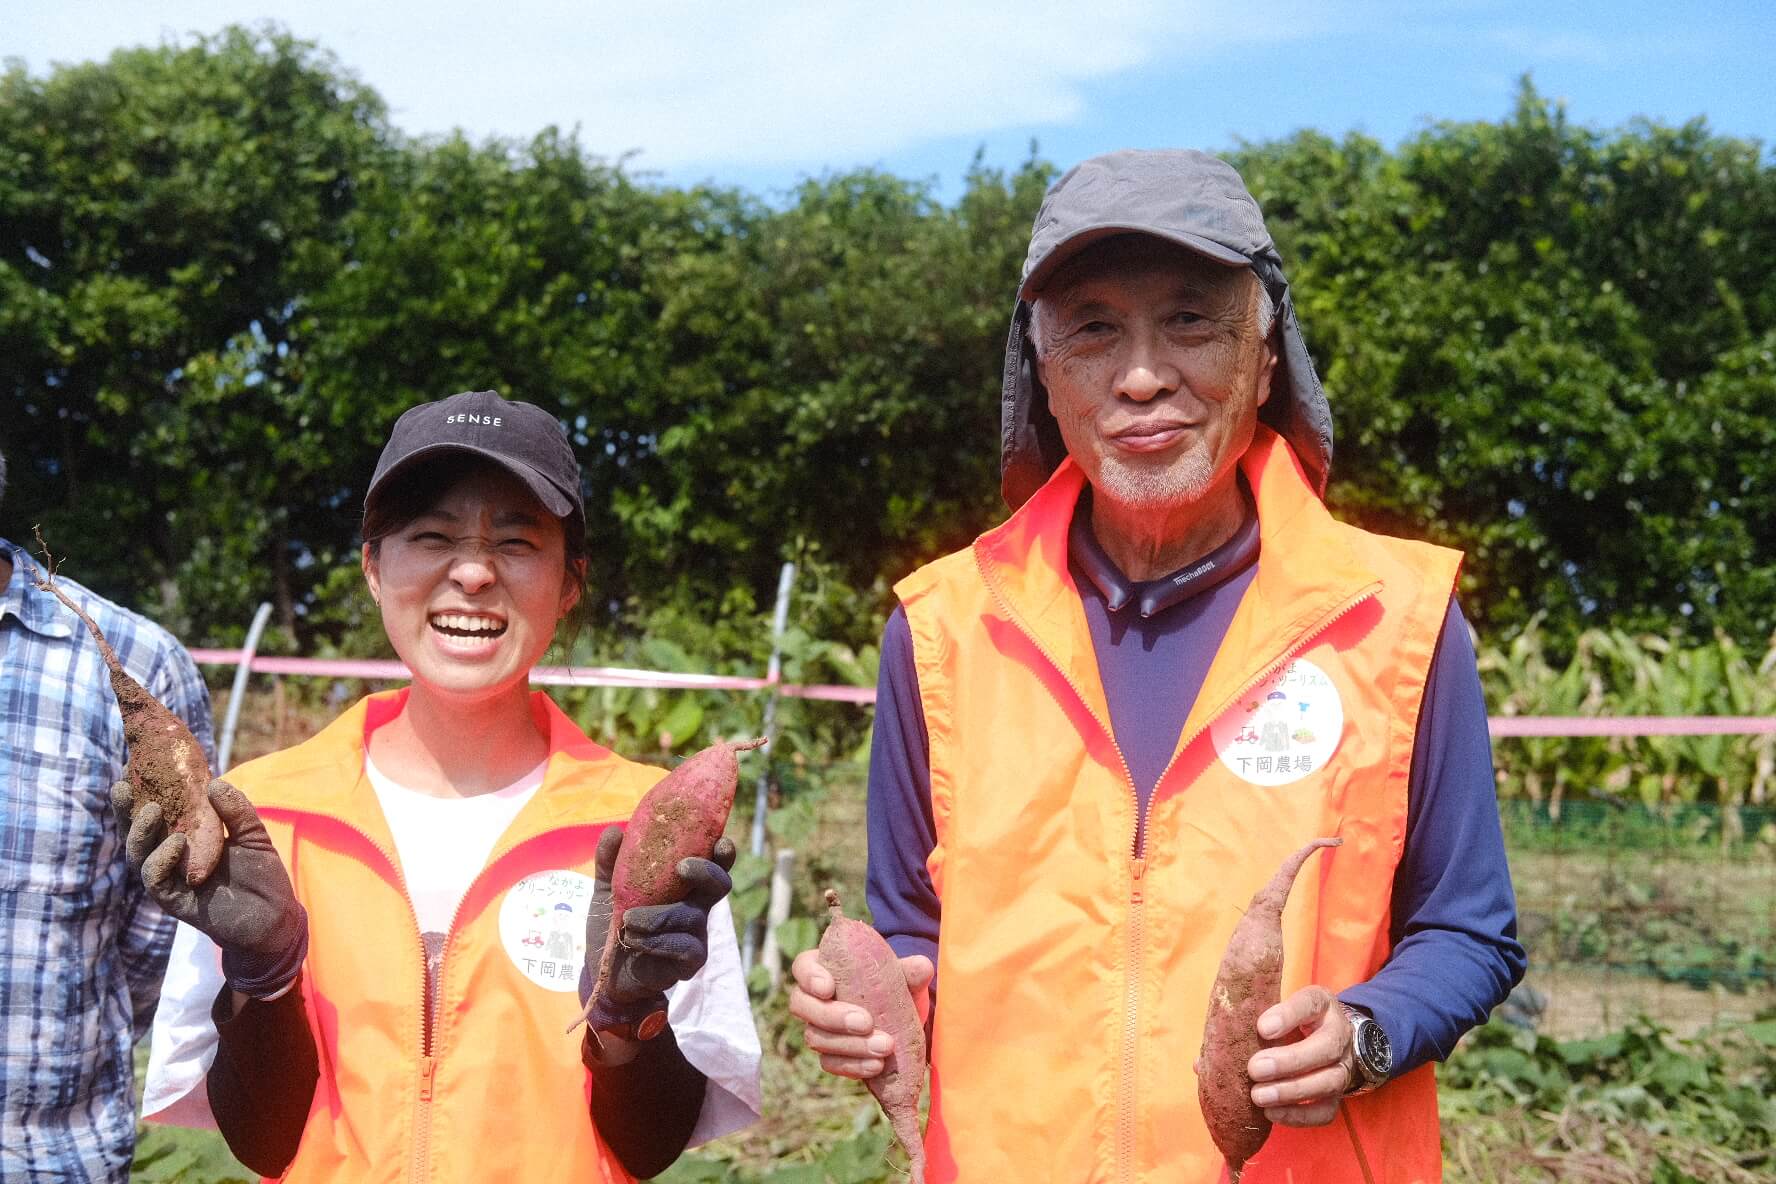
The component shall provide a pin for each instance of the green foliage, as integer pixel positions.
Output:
(1637, 1104)
(1664, 919)
(730, 636)
(1552, 347)
(816, 1127)
(169, 1155)
(1686, 830)
(833, 375)
(222, 276)
(161, 216)
(860, 1159)
(521, 268)
(1614, 673)
(798, 934)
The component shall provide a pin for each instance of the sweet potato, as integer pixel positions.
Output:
(681, 817)
(1249, 982)
(166, 763)
(866, 972)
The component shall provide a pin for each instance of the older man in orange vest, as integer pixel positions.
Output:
(1104, 725)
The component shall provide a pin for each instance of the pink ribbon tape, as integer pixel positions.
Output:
(1502, 726)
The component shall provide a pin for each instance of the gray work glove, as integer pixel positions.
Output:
(246, 907)
(660, 944)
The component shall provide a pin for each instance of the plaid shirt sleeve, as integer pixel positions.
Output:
(146, 933)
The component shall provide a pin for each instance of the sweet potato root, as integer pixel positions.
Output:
(681, 817)
(166, 763)
(1249, 982)
(866, 972)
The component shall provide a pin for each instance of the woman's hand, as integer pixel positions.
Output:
(246, 907)
(660, 944)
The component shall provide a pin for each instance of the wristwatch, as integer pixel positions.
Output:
(1373, 1052)
(646, 1028)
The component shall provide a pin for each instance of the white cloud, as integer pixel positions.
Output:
(1545, 45)
(705, 84)
(1602, 49)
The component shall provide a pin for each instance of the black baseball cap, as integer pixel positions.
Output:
(521, 438)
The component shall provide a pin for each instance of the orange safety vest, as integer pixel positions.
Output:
(1074, 974)
(499, 1092)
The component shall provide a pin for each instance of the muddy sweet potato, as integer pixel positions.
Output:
(166, 763)
(681, 817)
(1248, 983)
(866, 972)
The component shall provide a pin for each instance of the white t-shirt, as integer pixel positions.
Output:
(441, 846)
(441, 843)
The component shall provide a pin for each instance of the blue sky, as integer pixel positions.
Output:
(760, 95)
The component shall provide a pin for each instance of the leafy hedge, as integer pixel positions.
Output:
(223, 274)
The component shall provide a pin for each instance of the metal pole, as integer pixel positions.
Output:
(782, 879)
(240, 685)
(773, 673)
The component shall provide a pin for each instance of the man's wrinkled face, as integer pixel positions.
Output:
(1155, 367)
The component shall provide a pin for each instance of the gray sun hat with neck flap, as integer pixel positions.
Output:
(1189, 198)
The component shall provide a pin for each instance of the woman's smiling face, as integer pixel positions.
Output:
(472, 588)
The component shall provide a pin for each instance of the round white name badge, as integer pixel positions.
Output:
(542, 925)
(1282, 730)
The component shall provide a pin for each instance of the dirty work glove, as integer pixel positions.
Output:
(246, 907)
(660, 944)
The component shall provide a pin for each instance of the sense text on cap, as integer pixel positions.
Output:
(471, 417)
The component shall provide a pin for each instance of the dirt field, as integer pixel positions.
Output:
(1587, 1003)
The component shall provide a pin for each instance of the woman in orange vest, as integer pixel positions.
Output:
(377, 980)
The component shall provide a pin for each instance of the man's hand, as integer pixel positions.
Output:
(1300, 1083)
(246, 907)
(660, 944)
(844, 1034)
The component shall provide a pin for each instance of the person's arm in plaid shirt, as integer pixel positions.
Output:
(146, 934)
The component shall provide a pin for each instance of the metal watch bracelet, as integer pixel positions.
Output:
(1371, 1052)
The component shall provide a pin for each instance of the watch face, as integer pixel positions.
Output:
(1376, 1051)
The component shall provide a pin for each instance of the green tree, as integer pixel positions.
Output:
(833, 377)
(222, 277)
(166, 205)
(1544, 344)
(520, 268)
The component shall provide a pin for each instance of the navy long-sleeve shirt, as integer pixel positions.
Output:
(1454, 918)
